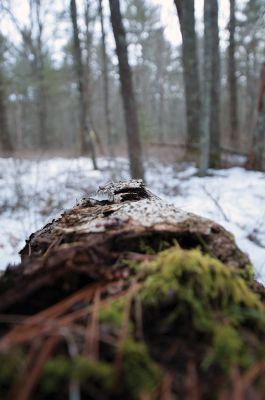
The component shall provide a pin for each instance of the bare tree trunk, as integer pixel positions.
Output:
(256, 157)
(86, 141)
(215, 134)
(106, 84)
(129, 103)
(251, 87)
(232, 79)
(161, 109)
(37, 65)
(5, 139)
(207, 68)
(185, 9)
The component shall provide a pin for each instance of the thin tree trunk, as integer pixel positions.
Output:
(5, 139)
(105, 72)
(86, 141)
(42, 110)
(205, 138)
(185, 9)
(256, 158)
(215, 134)
(161, 109)
(129, 103)
(38, 70)
(232, 79)
(87, 72)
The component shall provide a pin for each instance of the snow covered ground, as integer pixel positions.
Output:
(34, 192)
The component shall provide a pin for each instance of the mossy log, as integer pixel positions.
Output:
(125, 296)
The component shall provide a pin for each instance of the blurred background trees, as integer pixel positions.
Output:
(60, 80)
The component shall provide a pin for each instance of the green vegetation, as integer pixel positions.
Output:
(139, 372)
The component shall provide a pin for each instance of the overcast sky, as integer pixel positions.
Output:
(168, 16)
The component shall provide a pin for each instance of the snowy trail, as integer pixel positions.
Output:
(34, 192)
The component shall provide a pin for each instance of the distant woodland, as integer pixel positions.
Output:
(101, 77)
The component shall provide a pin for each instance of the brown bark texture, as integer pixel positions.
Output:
(127, 91)
(126, 296)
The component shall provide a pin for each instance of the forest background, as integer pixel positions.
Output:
(194, 103)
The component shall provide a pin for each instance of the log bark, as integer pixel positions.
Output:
(142, 291)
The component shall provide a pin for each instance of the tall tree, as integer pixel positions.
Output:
(207, 69)
(210, 141)
(215, 95)
(105, 72)
(129, 103)
(5, 138)
(186, 14)
(34, 49)
(256, 158)
(232, 78)
(86, 141)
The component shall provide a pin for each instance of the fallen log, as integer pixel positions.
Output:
(125, 295)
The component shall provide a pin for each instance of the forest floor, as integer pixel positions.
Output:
(34, 192)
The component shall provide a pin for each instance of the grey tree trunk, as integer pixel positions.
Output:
(259, 131)
(128, 97)
(106, 84)
(215, 131)
(232, 78)
(86, 142)
(87, 67)
(207, 69)
(5, 139)
(185, 9)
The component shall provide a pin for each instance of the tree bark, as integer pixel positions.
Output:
(105, 73)
(5, 138)
(207, 82)
(128, 97)
(185, 9)
(215, 129)
(232, 78)
(86, 142)
(255, 160)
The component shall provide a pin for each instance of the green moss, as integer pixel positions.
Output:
(133, 265)
(146, 248)
(227, 349)
(140, 374)
(217, 298)
(99, 372)
(113, 313)
(196, 277)
(61, 370)
(56, 373)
